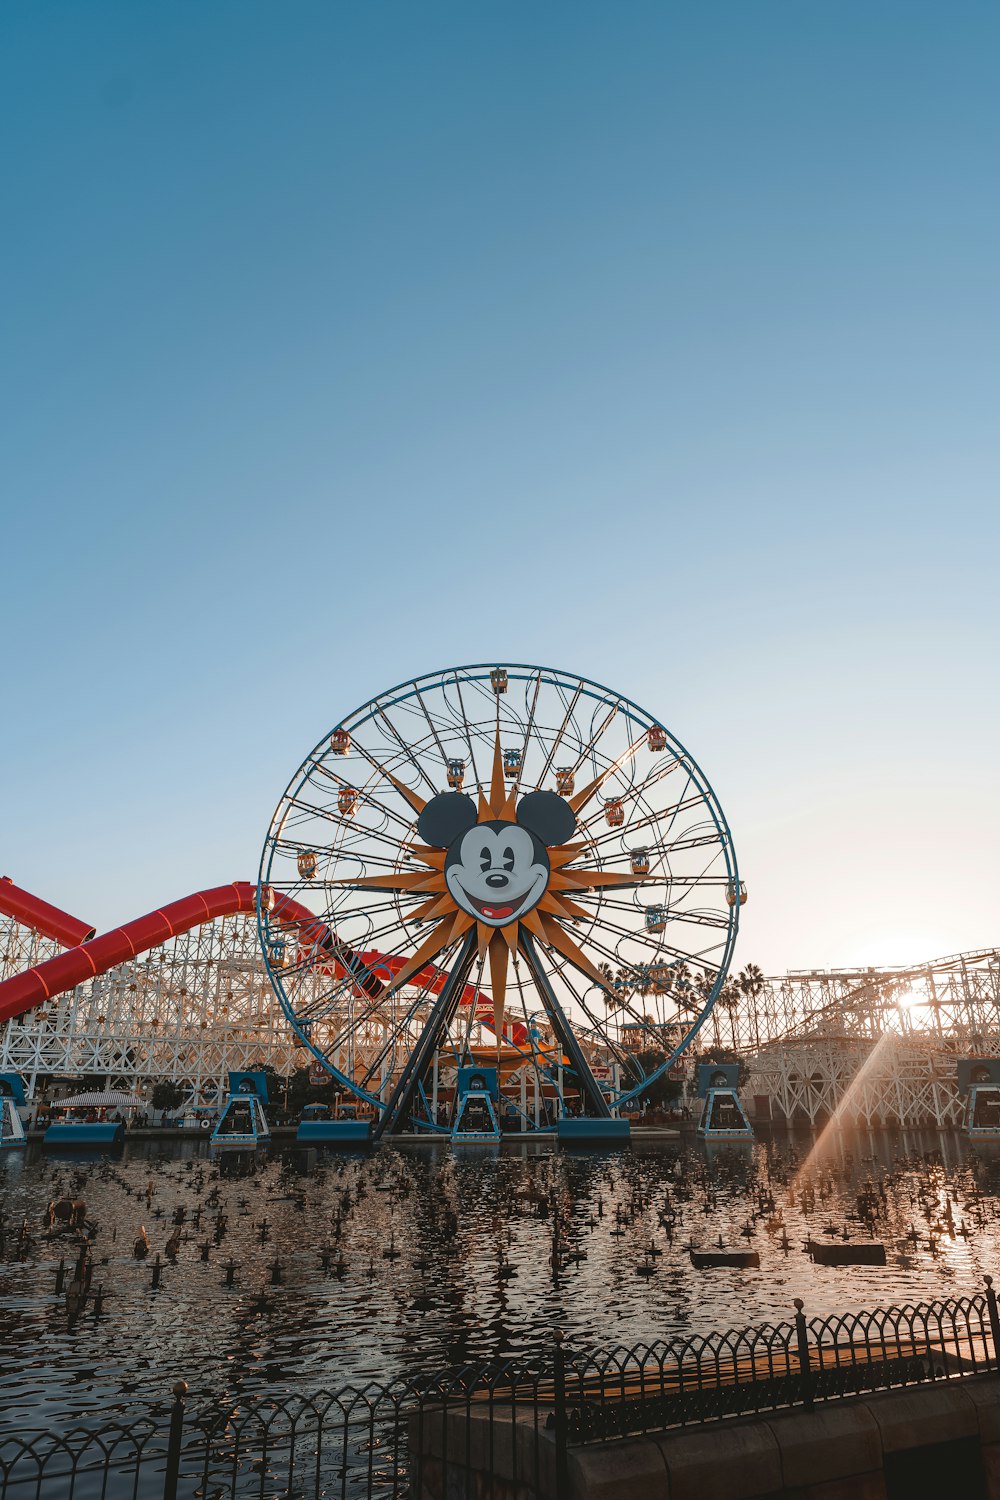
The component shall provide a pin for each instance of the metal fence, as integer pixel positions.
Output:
(495, 1429)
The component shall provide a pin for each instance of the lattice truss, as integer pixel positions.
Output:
(188, 1011)
(880, 1045)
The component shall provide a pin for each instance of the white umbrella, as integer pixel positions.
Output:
(110, 1099)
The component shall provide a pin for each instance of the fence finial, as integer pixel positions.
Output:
(180, 1389)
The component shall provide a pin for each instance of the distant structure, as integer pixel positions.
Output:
(880, 1045)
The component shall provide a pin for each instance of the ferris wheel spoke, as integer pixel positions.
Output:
(697, 919)
(398, 1032)
(562, 1027)
(590, 747)
(611, 954)
(667, 813)
(557, 741)
(529, 725)
(465, 729)
(367, 798)
(407, 752)
(431, 727)
(621, 1056)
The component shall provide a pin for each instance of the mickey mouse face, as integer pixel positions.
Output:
(496, 871)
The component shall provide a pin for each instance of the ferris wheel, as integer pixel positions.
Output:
(497, 861)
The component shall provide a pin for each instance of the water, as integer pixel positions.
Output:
(483, 1221)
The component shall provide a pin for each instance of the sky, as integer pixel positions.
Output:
(655, 342)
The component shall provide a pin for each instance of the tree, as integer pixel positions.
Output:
(751, 981)
(729, 999)
(663, 1091)
(719, 1054)
(166, 1095)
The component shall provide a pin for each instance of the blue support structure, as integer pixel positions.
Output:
(476, 1110)
(11, 1129)
(580, 1131)
(88, 1133)
(982, 1113)
(243, 1123)
(979, 1077)
(722, 1117)
(334, 1133)
(11, 1095)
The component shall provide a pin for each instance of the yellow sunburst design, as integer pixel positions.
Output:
(544, 920)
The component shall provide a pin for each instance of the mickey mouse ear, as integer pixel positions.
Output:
(548, 816)
(445, 817)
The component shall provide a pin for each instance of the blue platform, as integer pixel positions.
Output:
(584, 1131)
(334, 1133)
(11, 1129)
(84, 1133)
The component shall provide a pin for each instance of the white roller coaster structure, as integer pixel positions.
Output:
(879, 1045)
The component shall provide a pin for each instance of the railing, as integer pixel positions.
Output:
(512, 1424)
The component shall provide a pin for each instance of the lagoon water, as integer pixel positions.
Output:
(447, 1256)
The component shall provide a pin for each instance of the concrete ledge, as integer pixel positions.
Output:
(721, 1462)
(612, 1470)
(923, 1414)
(985, 1397)
(580, 1131)
(832, 1442)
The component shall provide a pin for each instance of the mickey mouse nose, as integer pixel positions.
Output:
(497, 881)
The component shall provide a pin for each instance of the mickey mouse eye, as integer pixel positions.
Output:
(508, 858)
(484, 855)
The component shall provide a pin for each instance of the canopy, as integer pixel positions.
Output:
(110, 1099)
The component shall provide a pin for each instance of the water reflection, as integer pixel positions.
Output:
(349, 1268)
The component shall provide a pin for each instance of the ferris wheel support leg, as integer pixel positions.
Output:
(564, 1031)
(398, 1108)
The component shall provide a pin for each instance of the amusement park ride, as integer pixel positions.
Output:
(494, 872)
(493, 875)
(504, 864)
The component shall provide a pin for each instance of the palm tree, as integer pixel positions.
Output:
(729, 998)
(751, 981)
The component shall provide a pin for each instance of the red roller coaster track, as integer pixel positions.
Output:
(91, 956)
(37, 914)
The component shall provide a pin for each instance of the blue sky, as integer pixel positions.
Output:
(656, 342)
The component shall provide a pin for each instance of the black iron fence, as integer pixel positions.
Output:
(495, 1429)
